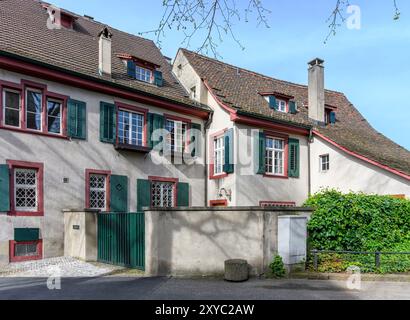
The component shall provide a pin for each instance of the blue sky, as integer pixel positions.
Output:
(371, 65)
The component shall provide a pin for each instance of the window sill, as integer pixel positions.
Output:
(218, 176)
(26, 213)
(130, 147)
(34, 132)
(267, 175)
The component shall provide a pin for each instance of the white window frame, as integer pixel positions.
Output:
(105, 189)
(162, 185)
(4, 107)
(219, 155)
(180, 136)
(271, 154)
(141, 74)
(130, 113)
(22, 186)
(322, 162)
(61, 115)
(281, 103)
(41, 109)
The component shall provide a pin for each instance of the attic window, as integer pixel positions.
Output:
(330, 115)
(142, 70)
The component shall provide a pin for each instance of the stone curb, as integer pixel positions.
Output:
(345, 276)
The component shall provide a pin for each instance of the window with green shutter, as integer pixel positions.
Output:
(292, 107)
(228, 145)
(272, 103)
(155, 122)
(4, 188)
(77, 119)
(260, 152)
(183, 194)
(196, 139)
(143, 194)
(294, 158)
(158, 80)
(108, 122)
(118, 193)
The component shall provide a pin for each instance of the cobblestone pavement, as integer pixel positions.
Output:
(65, 266)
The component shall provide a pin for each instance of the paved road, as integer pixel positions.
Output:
(198, 289)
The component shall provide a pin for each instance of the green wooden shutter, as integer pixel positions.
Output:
(118, 193)
(158, 80)
(155, 122)
(76, 122)
(131, 71)
(294, 158)
(108, 122)
(260, 152)
(272, 102)
(292, 107)
(196, 139)
(228, 140)
(4, 188)
(183, 194)
(143, 194)
(332, 117)
(26, 234)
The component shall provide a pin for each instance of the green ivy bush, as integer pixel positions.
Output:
(277, 267)
(360, 222)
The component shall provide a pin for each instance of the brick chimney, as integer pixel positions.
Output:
(104, 55)
(316, 90)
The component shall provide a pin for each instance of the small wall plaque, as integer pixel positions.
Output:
(76, 227)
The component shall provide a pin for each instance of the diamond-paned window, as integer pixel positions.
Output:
(25, 249)
(98, 191)
(25, 189)
(162, 194)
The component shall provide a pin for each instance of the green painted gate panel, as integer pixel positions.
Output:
(121, 239)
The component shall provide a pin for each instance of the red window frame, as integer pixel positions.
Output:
(135, 109)
(277, 203)
(273, 135)
(218, 203)
(22, 89)
(106, 173)
(15, 164)
(13, 258)
(212, 137)
(181, 119)
(286, 103)
(164, 179)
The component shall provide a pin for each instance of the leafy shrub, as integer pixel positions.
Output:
(360, 222)
(277, 267)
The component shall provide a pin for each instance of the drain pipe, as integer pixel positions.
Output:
(206, 127)
(310, 140)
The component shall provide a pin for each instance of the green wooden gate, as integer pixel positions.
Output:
(121, 239)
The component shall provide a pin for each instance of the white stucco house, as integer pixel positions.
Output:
(93, 117)
(286, 140)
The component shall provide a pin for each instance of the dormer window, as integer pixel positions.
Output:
(330, 115)
(280, 102)
(142, 70)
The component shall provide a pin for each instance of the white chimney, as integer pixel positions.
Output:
(316, 90)
(104, 55)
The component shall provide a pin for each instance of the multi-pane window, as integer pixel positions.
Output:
(25, 189)
(281, 105)
(143, 74)
(219, 155)
(54, 109)
(130, 128)
(275, 154)
(98, 191)
(25, 249)
(162, 194)
(324, 162)
(11, 108)
(33, 109)
(176, 135)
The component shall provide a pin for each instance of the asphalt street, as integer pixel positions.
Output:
(163, 288)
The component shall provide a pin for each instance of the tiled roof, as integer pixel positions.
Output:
(240, 88)
(24, 32)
